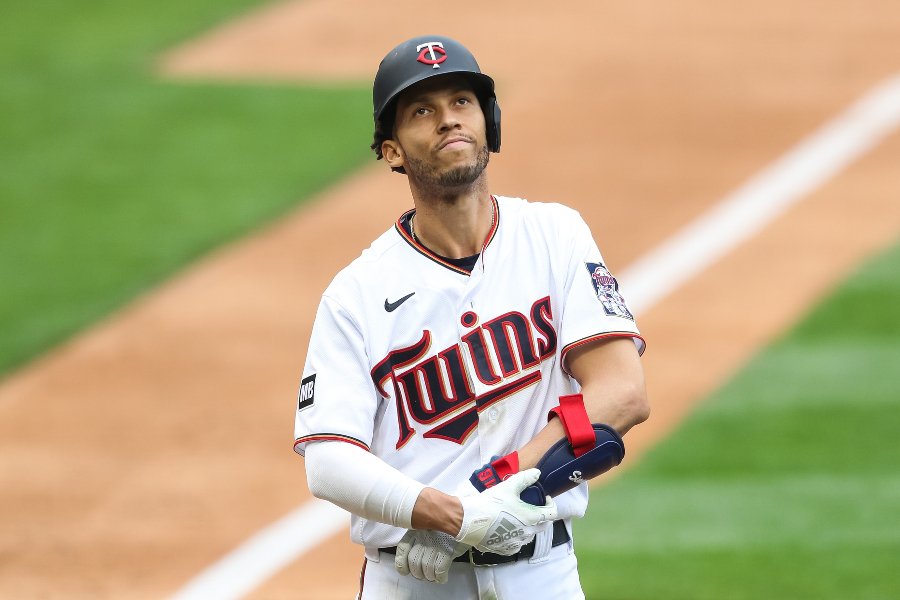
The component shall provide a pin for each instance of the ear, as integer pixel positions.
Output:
(393, 154)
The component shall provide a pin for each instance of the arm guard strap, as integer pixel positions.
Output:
(575, 421)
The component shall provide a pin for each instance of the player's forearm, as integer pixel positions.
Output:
(361, 483)
(437, 511)
(365, 485)
(531, 453)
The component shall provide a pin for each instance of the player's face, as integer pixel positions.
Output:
(440, 132)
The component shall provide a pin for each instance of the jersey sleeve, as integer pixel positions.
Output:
(337, 400)
(595, 308)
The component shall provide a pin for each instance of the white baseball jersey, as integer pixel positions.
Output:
(435, 370)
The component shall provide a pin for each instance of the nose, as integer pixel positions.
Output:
(448, 121)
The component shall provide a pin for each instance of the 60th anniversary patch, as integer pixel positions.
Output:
(607, 290)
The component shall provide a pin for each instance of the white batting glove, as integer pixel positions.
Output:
(427, 555)
(498, 521)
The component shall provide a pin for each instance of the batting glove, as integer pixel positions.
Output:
(427, 555)
(498, 521)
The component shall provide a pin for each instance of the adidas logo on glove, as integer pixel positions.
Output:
(505, 530)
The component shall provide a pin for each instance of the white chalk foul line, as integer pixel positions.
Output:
(701, 243)
(754, 205)
(267, 552)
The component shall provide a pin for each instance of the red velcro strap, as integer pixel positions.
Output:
(575, 422)
(506, 466)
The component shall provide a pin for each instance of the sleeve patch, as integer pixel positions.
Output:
(307, 390)
(607, 289)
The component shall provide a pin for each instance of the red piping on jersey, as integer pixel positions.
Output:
(332, 437)
(437, 258)
(596, 338)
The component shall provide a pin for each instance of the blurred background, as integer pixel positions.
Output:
(179, 181)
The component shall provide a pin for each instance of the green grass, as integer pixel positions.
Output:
(784, 484)
(112, 178)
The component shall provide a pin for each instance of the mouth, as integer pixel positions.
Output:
(455, 142)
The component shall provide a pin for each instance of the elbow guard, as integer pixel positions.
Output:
(587, 451)
(561, 469)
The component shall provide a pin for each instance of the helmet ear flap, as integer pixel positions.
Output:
(493, 128)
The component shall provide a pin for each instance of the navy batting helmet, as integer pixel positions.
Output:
(422, 58)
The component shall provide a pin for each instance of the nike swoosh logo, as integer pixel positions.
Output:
(392, 306)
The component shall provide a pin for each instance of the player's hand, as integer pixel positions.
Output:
(427, 555)
(498, 521)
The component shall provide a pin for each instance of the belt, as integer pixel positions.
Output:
(489, 559)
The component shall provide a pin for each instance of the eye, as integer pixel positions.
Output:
(422, 110)
(463, 100)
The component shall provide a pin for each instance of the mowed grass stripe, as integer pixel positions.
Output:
(783, 484)
(112, 179)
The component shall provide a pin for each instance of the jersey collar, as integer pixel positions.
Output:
(436, 257)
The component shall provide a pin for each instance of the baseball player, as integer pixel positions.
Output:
(472, 368)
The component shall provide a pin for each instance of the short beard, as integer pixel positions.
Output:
(439, 183)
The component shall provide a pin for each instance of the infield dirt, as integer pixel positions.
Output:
(139, 453)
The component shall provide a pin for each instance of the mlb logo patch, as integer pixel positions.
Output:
(307, 390)
(607, 289)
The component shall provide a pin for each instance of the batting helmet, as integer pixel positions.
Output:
(422, 58)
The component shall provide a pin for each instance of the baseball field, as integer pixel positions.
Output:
(180, 180)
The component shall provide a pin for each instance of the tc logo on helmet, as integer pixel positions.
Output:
(430, 48)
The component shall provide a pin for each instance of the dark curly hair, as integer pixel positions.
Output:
(384, 130)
